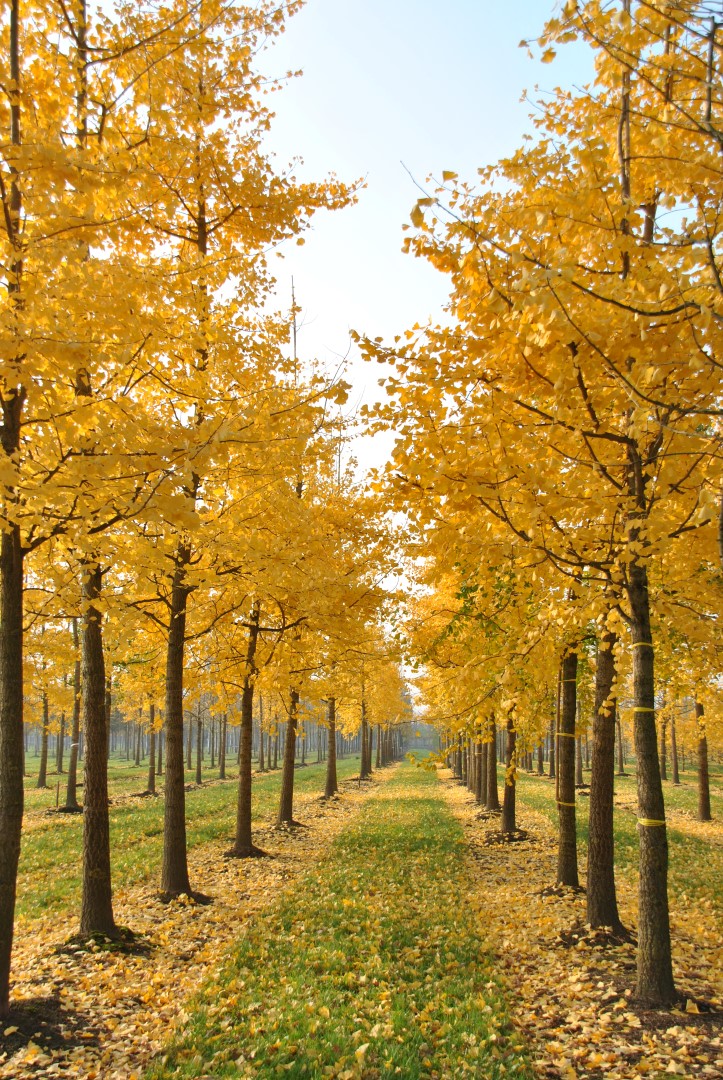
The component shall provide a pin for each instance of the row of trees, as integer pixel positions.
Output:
(171, 478)
(562, 467)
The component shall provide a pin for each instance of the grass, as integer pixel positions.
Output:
(136, 827)
(692, 871)
(372, 966)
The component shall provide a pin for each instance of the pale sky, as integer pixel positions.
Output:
(433, 85)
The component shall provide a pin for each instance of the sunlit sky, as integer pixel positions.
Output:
(392, 88)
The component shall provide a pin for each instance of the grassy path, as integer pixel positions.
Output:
(372, 966)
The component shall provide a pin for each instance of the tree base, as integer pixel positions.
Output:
(66, 810)
(596, 937)
(251, 852)
(122, 940)
(189, 898)
(293, 824)
(511, 837)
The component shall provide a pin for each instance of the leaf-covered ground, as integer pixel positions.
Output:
(373, 965)
(103, 1015)
(574, 994)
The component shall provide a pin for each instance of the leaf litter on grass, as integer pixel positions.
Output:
(574, 994)
(93, 1013)
(376, 967)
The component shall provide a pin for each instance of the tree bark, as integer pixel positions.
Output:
(244, 847)
(621, 756)
(199, 740)
(96, 910)
(174, 870)
(492, 802)
(332, 786)
(61, 746)
(43, 767)
(509, 822)
(674, 752)
(704, 813)
(655, 972)
(71, 790)
(152, 748)
(567, 844)
(11, 733)
(222, 748)
(602, 906)
(286, 802)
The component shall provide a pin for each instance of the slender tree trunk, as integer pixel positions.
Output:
(96, 911)
(71, 790)
(655, 972)
(674, 751)
(199, 740)
(11, 729)
(553, 740)
(243, 844)
(579, 775)
(332, 786)
(541, 759)
(286, 804)
(174, 871)
(663, 756)
(61, 746)
(493, 800)
(567, 845)
(159, 763)
(222, 748)
(621, 755)
(704, 813)
(152, 748)
(43, 768)
(602, 906)
(12, 399)
(480, 773)
(509, 822)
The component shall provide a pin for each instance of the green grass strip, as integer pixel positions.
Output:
(374, 966)
(136, 833)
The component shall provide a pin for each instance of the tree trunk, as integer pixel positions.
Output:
(244, 847)
(602, 906)
(199, 740)
(655, 973)
(43, 768)
(492, 802)
(222, 748)
(174, 870)
(11, 731)
(704, 813)
(12, 399)
(674, 752)
(541, 759)
(553, 740)
(96, 910)
(159, 763)
(152, 748)
(286, 803)
(621, 756)
(567, 844)
(663, 756)
(579, 775)
(71, 790)
(509, 823)
(61, 746)
(332, 786)
(480, 773)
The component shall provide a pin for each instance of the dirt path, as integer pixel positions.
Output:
(103, 1015)
(574, 994)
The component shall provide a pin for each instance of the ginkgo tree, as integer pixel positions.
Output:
(575, 391)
